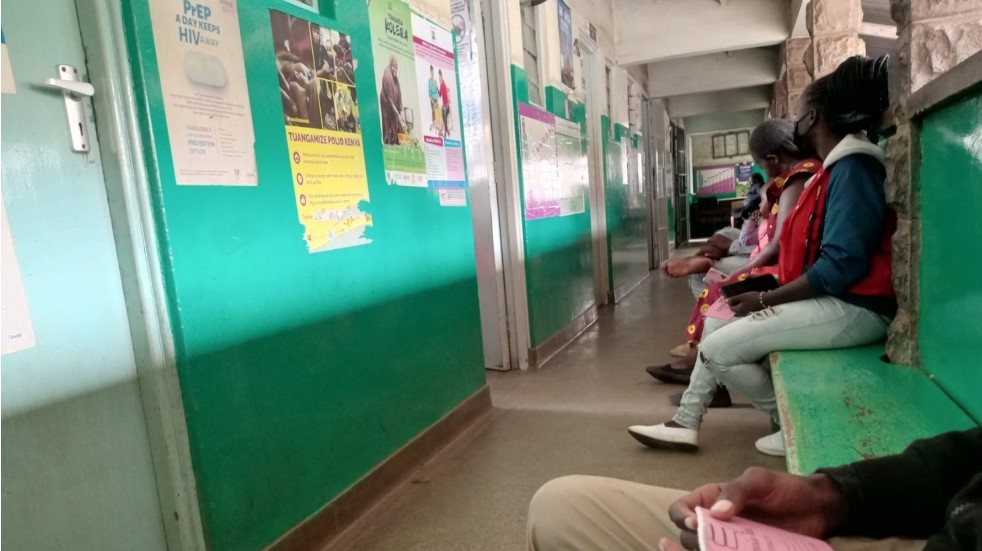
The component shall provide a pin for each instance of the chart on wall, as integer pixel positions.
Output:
(554, 164)
(205, 96)
(323, 131)
(711, 180)
(573, 168)
(418, 104)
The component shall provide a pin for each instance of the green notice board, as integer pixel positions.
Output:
(303, 370)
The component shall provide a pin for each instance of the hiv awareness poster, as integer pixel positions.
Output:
(323, 131)
(418, 103)
(205, 96)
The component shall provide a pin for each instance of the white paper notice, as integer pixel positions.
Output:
(15, 319)
(206, 100)
(453, 197)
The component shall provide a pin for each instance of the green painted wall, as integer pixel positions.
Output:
(627, 210)
(558, 249)
(300, 372)
(950, 333)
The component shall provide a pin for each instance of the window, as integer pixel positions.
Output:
(530, 47)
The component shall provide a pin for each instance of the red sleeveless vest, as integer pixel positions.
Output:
(801, 242)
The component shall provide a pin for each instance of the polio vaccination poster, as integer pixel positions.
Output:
(206, 99)
(323, 131)
(399, 103)
(436, 78)
(573, 168)
(540, 168)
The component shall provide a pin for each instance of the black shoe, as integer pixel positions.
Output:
(720, 400)
(666, 374)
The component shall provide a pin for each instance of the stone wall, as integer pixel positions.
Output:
(933, 37)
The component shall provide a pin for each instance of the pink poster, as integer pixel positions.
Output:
(540, 162)
(436, 77)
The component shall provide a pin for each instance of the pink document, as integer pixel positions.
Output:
(713, 276)
(720, 310)
(746, 535)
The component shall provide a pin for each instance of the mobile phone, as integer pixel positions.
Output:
(757, 284)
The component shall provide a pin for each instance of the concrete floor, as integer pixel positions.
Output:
(569, 417)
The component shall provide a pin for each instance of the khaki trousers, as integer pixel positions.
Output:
(589, 513)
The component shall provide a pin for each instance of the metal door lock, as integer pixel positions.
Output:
(73, 90)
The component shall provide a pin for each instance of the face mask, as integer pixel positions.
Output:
(801, 141)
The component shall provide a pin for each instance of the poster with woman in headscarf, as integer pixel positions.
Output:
(395, 73)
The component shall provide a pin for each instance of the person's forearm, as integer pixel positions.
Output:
(799, 289)
(766, 257)
(906, 495)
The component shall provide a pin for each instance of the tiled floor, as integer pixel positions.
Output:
(568, 417)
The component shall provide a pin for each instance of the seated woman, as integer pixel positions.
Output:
(834, 262)
(773, 149)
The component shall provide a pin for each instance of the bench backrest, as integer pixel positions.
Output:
(950, 322)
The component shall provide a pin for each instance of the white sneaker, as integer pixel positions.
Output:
(772, 444)
(661, 436)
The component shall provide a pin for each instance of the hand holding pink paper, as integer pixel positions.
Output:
(720, 310)
(739, 534)
(713, 276)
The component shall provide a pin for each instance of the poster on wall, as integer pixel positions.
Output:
(323, 131)
(436, 78)
(540, 169)
(15, 318)
(711, 180)
(744, 173)
(573, 168)
(206, 99)
(399, 100)
(566, 44)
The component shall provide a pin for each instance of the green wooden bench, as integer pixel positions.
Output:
(840, 406)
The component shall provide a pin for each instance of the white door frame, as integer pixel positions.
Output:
(483, 191)
(497, 51)
(117, 123)
(596, 100)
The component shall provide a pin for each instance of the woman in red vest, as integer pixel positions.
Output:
(833, 263)
(773, 149)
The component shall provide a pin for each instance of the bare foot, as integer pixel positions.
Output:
(681, 267)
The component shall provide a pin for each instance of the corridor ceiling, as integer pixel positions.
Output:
(721, 57)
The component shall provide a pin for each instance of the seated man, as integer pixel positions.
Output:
(932, 491)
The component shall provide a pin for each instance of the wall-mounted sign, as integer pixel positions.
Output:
(15, 318)
(323, 131)
(206, 100)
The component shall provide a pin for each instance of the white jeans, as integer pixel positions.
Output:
(732, 351)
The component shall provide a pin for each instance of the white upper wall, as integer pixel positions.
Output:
(740, 99)
(648, 31)
(437, 10)
(712, 72)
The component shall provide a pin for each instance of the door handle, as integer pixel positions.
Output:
(74, 87)
(72, 91)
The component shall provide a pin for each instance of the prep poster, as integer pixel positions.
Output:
(540, 168)
(436, 78)
(399, 101)
(323, 131)
(573, 168)
(566, 44)
(206, 100)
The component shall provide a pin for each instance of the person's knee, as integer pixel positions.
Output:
(553, 510)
